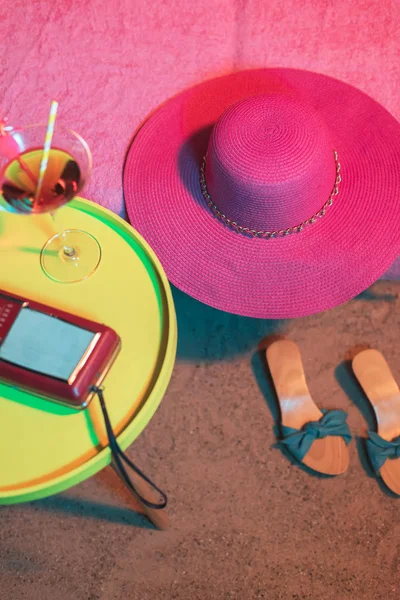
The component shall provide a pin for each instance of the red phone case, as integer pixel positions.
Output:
(91, 369)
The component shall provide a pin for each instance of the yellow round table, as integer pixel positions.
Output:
(45, 447)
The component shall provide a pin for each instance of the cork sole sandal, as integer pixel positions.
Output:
(316, 438)
(381, 389)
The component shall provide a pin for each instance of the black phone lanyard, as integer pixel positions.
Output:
(119, 456)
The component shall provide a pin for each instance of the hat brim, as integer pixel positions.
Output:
(327, 263)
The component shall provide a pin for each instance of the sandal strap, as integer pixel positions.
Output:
(379, 450)
(299, 441)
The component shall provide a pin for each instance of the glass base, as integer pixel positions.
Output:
(70, 256)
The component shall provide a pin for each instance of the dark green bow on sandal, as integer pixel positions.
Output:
(379, 450)
(299, 441)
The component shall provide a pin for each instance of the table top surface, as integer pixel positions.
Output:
(50, 447)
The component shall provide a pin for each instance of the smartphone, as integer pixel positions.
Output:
(52, 353)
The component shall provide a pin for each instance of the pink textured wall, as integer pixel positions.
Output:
(110, 63)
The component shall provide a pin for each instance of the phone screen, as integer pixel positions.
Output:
(42, 343)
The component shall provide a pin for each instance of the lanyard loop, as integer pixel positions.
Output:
(119, 457)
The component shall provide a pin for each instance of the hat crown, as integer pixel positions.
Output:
(270, 162)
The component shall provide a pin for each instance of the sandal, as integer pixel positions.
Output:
(316, 438)
(383, 446)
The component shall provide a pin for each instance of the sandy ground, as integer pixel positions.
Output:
(246, 523)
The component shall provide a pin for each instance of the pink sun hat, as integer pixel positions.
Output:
(270, 193)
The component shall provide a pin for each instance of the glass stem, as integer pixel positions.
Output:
(68, 251)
